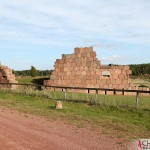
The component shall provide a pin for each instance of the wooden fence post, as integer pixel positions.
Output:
(26, 90)
(65, 93)
(137, 99)
(96, 96)
(123, 91)
(44, 92)
(114, 92)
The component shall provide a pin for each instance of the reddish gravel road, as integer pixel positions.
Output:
(27, 132)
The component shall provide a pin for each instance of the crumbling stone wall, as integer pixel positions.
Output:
(83, 69)
(6, 76)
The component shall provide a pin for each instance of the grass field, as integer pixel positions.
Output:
(31, 80)
(104, 100)
(122, 122)
(25, 80)
(125, 101)
(141, 82)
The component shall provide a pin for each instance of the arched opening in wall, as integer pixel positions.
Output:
(106, 74)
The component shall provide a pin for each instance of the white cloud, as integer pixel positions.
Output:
(110, 24)
(113, 20)
(124, 59)
(112, 58)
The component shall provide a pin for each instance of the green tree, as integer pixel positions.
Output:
(33, 71)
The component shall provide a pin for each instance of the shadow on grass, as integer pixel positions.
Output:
(51, 107)
(147, 110)
(75, 101)
(39, 81)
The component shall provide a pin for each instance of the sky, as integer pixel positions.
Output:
(37, 32)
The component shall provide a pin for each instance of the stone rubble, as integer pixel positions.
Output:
(6, 76)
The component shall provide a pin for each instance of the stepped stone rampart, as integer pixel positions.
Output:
(6, 76)
(83, 69)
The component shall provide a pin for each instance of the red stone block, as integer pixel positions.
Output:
(118, 71)
(129, 72)
(93, 54)
(115, 76)
(69, 73)
(98, 71)
(124, 82)
(77, 50)
(124, 72)
(121, 76)
(97, 77)
(78, 81)
(98, 81)
(93, 73)
(66, 69)
(126, 67)
(92, 69)
(118, 81)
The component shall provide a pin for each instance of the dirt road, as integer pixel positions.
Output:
(19, 131)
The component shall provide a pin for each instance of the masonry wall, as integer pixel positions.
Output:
(83, 69)
(6, 76)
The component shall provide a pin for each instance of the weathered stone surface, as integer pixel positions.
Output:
(83, 69)
(6, 76)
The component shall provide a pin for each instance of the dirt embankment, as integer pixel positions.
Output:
(19, 131)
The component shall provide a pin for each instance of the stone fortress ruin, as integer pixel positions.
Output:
(83, 69)
(6, 76)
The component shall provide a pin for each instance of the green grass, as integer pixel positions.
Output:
(104, 100)
(25, 80)
(124, 122)
(31, 80)
(140, 82)
(125, 101)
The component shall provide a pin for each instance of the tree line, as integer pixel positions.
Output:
(33, 72)
(140, 69)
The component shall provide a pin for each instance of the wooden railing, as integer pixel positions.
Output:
(65, 89)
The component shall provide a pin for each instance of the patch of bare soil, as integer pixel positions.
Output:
(19, 131)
